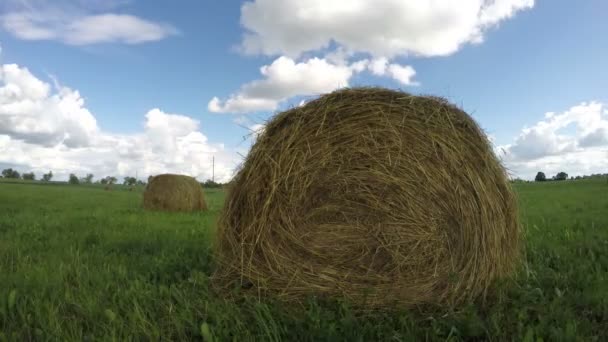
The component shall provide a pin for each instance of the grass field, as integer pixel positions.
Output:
(79, 263)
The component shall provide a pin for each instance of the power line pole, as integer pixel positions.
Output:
(213, 169)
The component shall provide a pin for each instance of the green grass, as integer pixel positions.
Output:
(78, 263)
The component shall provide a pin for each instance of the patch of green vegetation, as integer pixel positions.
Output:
(81, 263)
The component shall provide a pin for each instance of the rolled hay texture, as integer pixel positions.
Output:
(168, 192)
(371, 195)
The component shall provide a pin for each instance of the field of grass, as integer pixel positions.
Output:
(79, 263)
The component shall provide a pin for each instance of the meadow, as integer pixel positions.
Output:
(78, 263)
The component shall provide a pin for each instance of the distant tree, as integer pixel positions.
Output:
(211, 184)
(47, 176)
(28, 176)
(141, 183)
(129, 181)
(577, 178)
(108, 180)
(561, 176)
(540, 177)
(10, 173)
(73, 179)
(88, 179)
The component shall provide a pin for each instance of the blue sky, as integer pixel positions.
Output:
(148, 73)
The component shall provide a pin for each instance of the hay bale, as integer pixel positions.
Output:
(373, 195)
(170, 192)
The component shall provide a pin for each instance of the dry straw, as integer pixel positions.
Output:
(170, 192)
(376, 196)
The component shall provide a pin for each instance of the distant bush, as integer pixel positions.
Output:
(47, 176)
(129, 181)
(88, 179)
(211, 184)
(10, 173)
(561, 176)
(28, 176)
(73, 179)
(108, 180)
(540, 177)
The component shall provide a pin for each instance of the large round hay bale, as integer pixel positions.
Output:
(170, 192)
(373, 195)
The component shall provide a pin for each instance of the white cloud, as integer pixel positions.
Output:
(108, 28)
(26, 27)
(496, 10)
(241, 104)
(599, 137)
(29, 111)
(284, 78)
(45, 129)
(359, 66)
(402, 74)
(378, 66)
(381, 67)
(380, 27)
(575, 141)
(342, 29)
(257, 129)
(77, 25)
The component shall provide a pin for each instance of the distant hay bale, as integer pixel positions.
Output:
(373, 195)
(170, 192)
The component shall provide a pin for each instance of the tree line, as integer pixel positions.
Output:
(72, 178)
(14, 174)
(562, 176)
(88, 179)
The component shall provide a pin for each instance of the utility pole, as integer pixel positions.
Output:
(213, 169)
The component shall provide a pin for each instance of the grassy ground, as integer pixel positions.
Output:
(79, 263)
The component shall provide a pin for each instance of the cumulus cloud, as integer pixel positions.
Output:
(380, 28)
(241, 103)
(282, 79)
(30, 112)
(599, 137)
(43, 129)
(495, 11)
(575, 141)
(403, 74)
(77, 26)
(342, 30)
